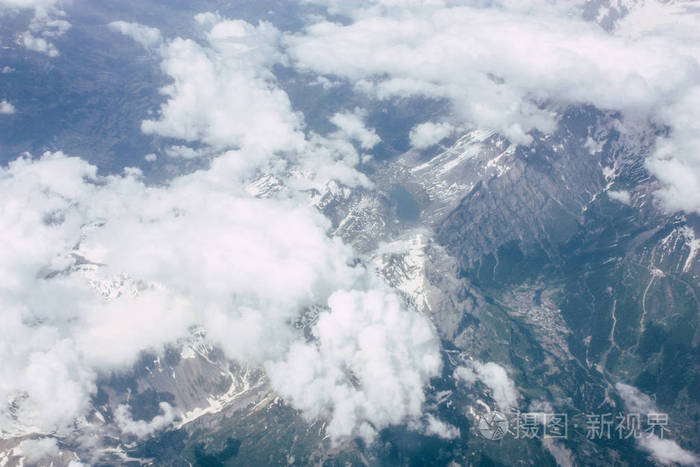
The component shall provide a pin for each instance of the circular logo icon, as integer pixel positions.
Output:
(493, 425)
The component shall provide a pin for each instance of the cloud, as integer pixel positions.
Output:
(435, 427)
(635, 400)
(224, 96)
(369, 358)
(510, 66)
(620, 195)
(223, 92)
(35, 451)
(47, 23)
(352, 126)
(430, 425)
(199, 251)
(429, 134)
(6, 108)
(563, 455)
(466, 374)
(97, 269)
(495, 377)
(186, 152)
(665, 451)
(146, 36)
(142, 428)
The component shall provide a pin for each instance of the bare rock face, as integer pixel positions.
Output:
(555, 261)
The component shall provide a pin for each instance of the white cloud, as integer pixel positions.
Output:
(6, 108)
(225, 96)
(635, 400)
(675, 164)
(352, 126)
(223, 93)
(495, 377)
(562, 454)
(436, 427)
(466, 374)
(35, 451)
(620, 195)
(146, 36)
(510, 66)
(186, 152)
(362, 373)
(665, 451)
(48, 22)
(199, 250)
(142, 428)
(428, 134)
(38, 44)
